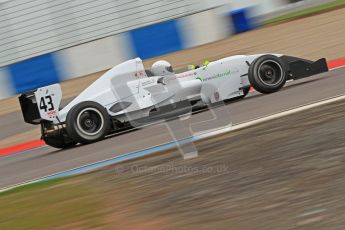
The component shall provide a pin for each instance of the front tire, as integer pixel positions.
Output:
(87, 122)
(267, 74)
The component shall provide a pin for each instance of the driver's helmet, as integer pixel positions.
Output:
(161, 68)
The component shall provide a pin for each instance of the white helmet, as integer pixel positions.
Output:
(161, 68)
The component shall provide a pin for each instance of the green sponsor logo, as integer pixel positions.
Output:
(219, 75)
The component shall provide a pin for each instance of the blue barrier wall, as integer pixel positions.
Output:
(33, 73)
(156, 40)
(241, 21)
(147, 42)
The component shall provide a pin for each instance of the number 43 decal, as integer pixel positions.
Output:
(46, 103)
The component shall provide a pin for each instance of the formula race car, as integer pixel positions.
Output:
(128, 95)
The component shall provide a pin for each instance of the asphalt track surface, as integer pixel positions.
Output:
(43, 161)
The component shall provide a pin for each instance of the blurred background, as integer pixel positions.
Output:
(45, 41)
(283, 174)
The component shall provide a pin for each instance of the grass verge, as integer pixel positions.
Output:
(307, 12)
(56, 204)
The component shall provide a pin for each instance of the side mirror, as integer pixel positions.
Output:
(191, 67)
(205, 64)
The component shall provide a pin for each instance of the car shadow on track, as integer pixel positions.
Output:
(255, 94)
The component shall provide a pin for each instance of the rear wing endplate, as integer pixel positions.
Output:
(41, 104)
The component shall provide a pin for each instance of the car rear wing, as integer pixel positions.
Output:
(41, 104)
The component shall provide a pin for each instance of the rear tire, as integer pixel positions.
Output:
(87, 122)
(267, 74)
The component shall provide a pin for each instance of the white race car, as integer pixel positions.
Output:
(128, 94)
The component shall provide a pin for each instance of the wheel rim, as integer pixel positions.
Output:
(270, 73)
(90, 121)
